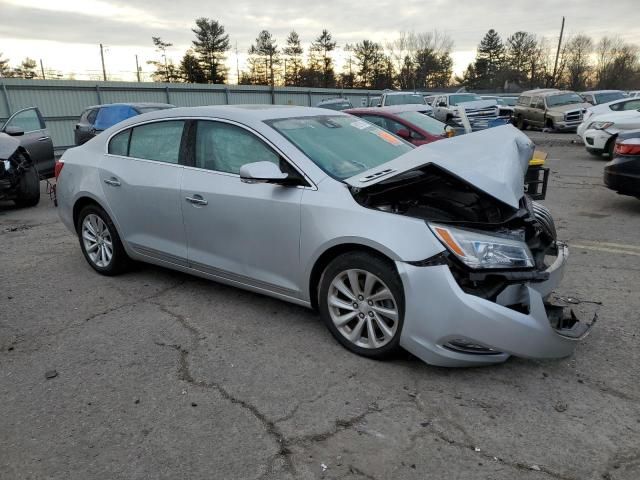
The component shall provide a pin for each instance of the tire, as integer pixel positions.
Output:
(96, 231)
(549, 124)
(374, 318)
(595, 152)
(611, 145)
(28, 190)
(521, 123)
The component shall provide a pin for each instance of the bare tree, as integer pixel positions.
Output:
(579, 49)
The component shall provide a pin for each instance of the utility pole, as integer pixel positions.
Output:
(104, 70)
(137, 69)
(555, 65)
(42, 70)
(237, 65)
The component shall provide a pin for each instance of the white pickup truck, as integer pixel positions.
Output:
(481, 113)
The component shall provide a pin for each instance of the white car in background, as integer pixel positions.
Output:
(615, 106)
(600, 135)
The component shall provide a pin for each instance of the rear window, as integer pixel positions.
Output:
(404, 99)
(424, 122)
(109, 116)
(608, 97)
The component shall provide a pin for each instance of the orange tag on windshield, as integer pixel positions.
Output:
(387, 137)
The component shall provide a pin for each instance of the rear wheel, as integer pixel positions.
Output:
(100, 242)
(361, 300)
(28, 191)
(520, 123)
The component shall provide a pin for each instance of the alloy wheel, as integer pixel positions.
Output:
(97, 240)
(363, 308)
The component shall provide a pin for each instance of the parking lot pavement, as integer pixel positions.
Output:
(155, 374)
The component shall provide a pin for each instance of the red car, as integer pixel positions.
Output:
(413, 126)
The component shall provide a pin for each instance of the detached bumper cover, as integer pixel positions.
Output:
(439, 313)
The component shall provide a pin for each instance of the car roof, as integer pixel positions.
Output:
(402, 93)
(333, 100)
(242, 113)
(601, 91)
(133, 104)
(545, 92)
(392, 109)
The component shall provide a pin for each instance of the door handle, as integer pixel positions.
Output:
(114, 182)
(43, 139)
(196, 200)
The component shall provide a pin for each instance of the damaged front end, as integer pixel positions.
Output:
(19, 179)
(488, 294)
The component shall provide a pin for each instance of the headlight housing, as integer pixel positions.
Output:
(481, 251)
(601, 125)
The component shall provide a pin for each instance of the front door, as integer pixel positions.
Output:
(141, 178)
(36, 139)
(245, 233)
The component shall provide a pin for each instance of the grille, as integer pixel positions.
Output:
(575, 116)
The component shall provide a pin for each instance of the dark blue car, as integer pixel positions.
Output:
(97, 118)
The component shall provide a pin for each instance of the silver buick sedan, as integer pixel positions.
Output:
(435, 249)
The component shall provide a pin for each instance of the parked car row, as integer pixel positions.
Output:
(435, 249)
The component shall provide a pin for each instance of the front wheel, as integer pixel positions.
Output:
(361, 300)
(28, 191)
(100, 242)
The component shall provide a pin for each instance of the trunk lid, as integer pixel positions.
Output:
(494, 161)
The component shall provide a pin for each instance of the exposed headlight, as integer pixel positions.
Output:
(478, 250)
(601, 125)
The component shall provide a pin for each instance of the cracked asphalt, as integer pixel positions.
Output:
(159, 375)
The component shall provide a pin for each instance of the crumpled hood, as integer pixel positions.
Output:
(475, 104)
(8, 146)
(494, 161)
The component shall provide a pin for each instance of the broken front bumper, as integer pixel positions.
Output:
(445, 326)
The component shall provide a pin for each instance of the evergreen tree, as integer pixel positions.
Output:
(211, 44)
(519, 57)
(266, 50)
(190, 69)
(490, 61)
(372, 65)
(5, 71)
(321, 63)
(27, 69)
(293, 67)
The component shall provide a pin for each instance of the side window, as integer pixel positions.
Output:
(157, 141)
(225, 148)
(632, 105)
(540, 103)
(394, 126)
(91, 116)
(28, 120)
(534, 102)
(119, 144)
(376, 120)
(524, 101)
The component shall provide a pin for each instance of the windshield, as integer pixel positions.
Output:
(336, 105)
(563, 99)
(608, 97)
(404, 99)
(341, 145)
(462, 98)
(424, 122)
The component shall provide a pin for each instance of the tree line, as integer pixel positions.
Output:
(410, 61)
(526, 61)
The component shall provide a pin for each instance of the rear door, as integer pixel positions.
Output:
(36, 138)
(84, 130)
(141, 175)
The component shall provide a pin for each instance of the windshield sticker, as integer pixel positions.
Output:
(360, 124)
(387, 137)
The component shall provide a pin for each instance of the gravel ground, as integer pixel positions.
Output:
(156, 374)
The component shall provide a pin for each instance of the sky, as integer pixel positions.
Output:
(65, 34)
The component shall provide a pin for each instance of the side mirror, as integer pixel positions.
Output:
(404, 133)
(262, 172)
(14, 131)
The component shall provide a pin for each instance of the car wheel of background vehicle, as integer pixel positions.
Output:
(610, 147)
(549, 124)
(595, 152)
(28, 190)
(100, 242)
(520, 123)
(361, 300)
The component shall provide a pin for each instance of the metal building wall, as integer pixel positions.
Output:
(62, 101)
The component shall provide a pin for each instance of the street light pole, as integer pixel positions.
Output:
(104, 70)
